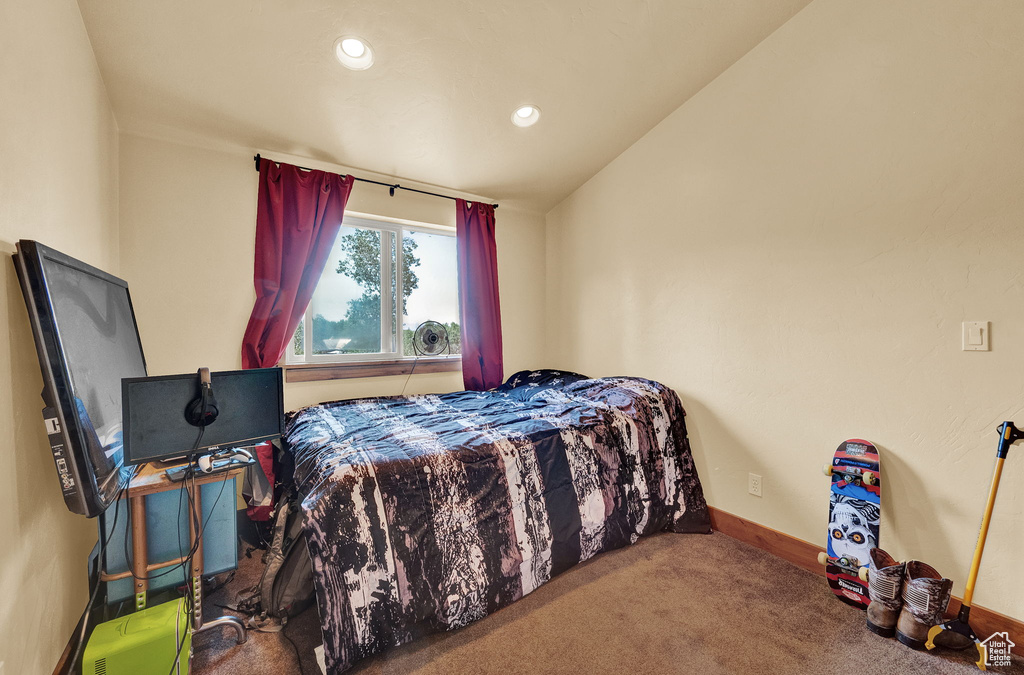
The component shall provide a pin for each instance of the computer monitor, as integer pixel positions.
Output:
(250, 405)
(87, 341)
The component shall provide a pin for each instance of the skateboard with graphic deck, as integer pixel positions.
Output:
(854, 513)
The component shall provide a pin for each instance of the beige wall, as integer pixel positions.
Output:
(188, 223)
(58, 185)
(794, 249)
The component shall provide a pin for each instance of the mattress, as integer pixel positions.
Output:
(426, 513)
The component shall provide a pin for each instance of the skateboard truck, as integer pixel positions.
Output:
(959, 629)
(851, 474)
(849, 565)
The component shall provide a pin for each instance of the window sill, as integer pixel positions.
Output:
(313, 372)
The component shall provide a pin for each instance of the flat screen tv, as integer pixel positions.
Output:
(250, 406)
(87, 341)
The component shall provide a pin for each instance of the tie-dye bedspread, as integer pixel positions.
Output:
(426, 513)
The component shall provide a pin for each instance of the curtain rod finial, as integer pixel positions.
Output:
(257, 159)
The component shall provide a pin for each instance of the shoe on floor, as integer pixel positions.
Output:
(925, 596)
(885, 586)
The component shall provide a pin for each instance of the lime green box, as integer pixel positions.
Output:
(141, 643)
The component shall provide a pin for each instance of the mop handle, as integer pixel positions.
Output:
(1008, 435)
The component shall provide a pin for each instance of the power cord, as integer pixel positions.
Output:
(410, 375)
(189, 590)
(100, 563)
(198, 526)
(196, 523)
(295, 648)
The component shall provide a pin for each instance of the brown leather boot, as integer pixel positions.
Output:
(885, 584)
(925, 596)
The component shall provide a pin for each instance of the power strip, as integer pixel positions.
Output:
(178, 473)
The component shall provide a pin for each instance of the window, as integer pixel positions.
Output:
(350, 319)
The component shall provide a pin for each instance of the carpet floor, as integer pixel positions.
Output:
(669, 604)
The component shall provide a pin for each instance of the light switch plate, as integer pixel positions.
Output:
(976, 336)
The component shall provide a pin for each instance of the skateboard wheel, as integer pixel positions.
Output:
(869, 478)
(827, 469)
(822, 558)
(862, 573)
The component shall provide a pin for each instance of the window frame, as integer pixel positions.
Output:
(311, 366)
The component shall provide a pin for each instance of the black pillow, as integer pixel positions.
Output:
(528, 383)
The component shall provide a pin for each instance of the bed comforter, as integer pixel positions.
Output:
(425, 513)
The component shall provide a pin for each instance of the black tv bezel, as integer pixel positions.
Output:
(242, 442)
(90, 498)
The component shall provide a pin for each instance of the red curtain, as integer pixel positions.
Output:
(480, 312)
(298, 216)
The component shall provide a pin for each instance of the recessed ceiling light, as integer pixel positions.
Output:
(354, 53)
(353, 47)
(526, 116)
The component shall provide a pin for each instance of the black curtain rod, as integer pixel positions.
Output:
(391, 187)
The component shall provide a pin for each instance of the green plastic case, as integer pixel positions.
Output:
(141, 643)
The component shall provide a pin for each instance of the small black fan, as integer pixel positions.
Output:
(430, 339)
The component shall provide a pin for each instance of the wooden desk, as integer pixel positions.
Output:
(151, 479)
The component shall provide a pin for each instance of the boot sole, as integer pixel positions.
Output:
(879, 630)
(910, 642)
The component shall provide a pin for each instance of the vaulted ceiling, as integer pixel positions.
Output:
(435, 106)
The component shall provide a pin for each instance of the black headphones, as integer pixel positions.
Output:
(202, 411)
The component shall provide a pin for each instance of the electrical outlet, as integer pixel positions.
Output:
(754, 484)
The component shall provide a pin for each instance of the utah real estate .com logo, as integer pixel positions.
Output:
(997, 650)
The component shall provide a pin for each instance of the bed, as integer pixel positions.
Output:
(426, 513)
